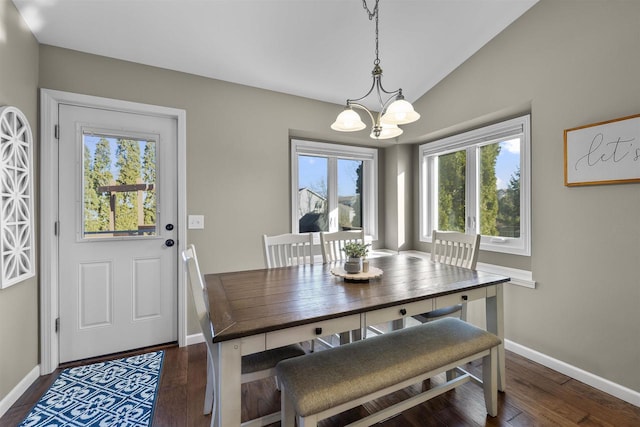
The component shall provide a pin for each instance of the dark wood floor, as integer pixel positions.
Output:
(535, 396)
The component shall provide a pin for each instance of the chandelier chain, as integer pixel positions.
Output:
(373, 14)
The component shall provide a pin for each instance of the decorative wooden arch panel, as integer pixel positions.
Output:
(17, 250)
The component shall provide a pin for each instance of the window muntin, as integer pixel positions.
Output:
(119, 186)
(333, 187)
(490, 166)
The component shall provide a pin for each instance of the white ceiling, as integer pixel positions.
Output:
(319, 49)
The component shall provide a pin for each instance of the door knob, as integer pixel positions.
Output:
(169, 242)
(169, 227)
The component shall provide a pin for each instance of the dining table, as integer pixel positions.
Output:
(257, 310)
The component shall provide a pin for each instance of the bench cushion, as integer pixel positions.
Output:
(269, 359)
(325, 379)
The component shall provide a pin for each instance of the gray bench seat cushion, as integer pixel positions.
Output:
(269, 359)
(325, 379)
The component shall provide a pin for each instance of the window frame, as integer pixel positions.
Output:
(471, 141)
(333, 152)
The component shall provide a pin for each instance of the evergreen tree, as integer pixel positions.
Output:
(91, 202)
(102, 176)
(128, 164)
(509, 216)
(357, 206)
(149, 177)
(451, 191)
(488, 190)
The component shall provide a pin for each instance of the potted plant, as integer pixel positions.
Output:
(355, 252)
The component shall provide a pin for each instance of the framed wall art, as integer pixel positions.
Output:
(603, 153)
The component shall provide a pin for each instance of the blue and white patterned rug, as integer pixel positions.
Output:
(115, 393)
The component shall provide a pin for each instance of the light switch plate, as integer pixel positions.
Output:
(196, 222)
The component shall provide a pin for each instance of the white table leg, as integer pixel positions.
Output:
(228, 384)
(495, 325)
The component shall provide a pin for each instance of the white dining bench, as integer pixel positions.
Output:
(319, 385)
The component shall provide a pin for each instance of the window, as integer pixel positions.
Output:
(333, 187)
(479, 182)
(119, 181)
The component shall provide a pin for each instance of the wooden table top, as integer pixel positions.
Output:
(246, 303)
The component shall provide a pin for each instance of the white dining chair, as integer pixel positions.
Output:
(452, 248)
(254, 366)
(331, 244)
(285, 250)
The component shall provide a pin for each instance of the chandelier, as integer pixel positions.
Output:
(394, 110)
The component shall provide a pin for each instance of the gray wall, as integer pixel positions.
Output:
(18, 303)
(398, 190)
(569, 63)
(238, 172)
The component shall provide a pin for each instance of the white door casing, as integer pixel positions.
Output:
(117, 290)
(49, 193)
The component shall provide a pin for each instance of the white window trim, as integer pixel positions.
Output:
(481, 136)
(369, 181)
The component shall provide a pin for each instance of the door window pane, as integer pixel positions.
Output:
(119, 187)
(350, 194)
(451, 191)
(313, 209)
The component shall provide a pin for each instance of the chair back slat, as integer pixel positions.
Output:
(286, 250)
(332, 244)
(453, 248)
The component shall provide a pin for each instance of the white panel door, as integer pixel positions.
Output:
(117, 225)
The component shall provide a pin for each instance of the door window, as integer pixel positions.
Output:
(119, 186)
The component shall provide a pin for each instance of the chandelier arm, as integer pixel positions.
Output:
(393, 92)
(389, 100)
(378, 83)
(362, 107)
(373, 85)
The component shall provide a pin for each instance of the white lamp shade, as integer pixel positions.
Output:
(400, 112)
(388, 131)
(348, 121)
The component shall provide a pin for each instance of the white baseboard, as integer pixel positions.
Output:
(195, 339)
(602, 384)
(19, 390)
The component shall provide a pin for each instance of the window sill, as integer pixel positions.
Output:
(518, 277)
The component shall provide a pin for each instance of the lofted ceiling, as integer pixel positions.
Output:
(319, 49)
